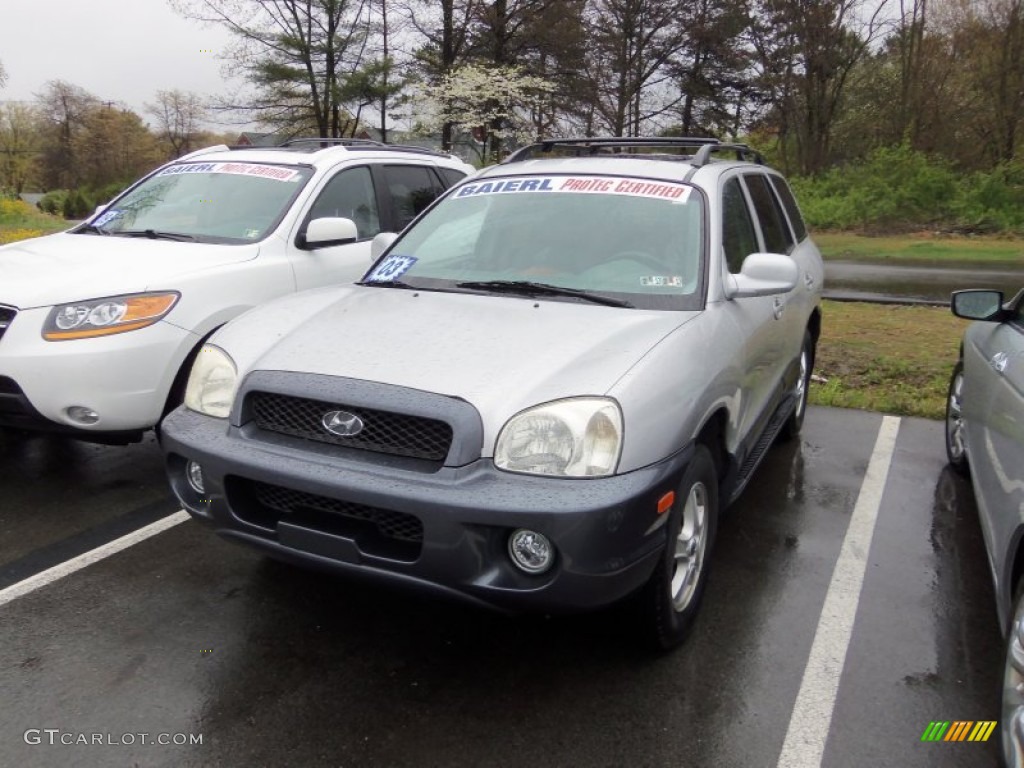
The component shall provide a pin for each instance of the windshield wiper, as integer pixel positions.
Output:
(154, 234)
(388, 284)
(92, 228)
(529, 288)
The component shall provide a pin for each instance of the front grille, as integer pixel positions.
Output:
(6, 318)
(376, 531)
(397, 434)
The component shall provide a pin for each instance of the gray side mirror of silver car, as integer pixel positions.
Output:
(381, 243)
(763, 274)
(977, 305)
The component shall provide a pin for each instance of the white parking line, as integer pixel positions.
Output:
(809, 724)
(68, 567)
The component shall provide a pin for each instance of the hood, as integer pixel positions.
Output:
(500, 353)
(60, 268)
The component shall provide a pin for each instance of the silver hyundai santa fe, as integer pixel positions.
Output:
(539, 397)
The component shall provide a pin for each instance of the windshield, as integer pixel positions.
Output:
(206, 202)
(636, 240)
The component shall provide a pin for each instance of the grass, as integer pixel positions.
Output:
(20, 221)
(925, 248)
(893, 359)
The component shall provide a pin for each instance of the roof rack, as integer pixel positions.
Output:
(329, 142)
(608, 144)
(743, 152)
(353, 144)
(580, 147)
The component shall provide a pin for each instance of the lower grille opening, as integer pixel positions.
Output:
(9, 386)
(6, 318)
(378, 532)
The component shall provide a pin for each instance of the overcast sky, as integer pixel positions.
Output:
(118, 50)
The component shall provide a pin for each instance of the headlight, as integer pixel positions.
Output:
(212, 383)
(103, 317)
(580, 437)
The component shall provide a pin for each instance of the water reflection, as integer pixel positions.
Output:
(929, 284)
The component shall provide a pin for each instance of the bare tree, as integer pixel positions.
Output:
(990, 36)
(20, 145)
(297, 55)
(633, 41)
(444, 29)
(807, 50)
(62, 108)
(711, 67)
(179, 119)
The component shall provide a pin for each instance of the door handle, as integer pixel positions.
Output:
(999, 362)
(808, 279)
(779, 308)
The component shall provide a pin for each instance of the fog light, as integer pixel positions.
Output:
(530, 551)
(83, 415)
(194, 475)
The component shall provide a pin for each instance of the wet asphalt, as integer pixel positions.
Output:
(923, 283)
(186, 634)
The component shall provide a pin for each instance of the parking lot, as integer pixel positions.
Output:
(179, 634)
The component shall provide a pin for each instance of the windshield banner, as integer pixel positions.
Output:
(604, 185)
(276, 172)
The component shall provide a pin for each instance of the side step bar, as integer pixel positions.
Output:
(760, 448)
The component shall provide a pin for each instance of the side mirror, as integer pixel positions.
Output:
(977, 305)
(381, 243)
(330, 231)
(763, 274)
(98, 211)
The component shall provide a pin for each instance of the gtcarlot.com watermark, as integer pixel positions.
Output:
(55, 736)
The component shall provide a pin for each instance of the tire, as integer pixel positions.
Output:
(1011, 724)
(795, 422)
(670, 599)
(956, 448)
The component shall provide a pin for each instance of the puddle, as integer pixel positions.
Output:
(913, 284)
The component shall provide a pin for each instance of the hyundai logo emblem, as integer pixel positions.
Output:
(342, 423)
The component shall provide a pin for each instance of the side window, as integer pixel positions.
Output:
(412, 189)
(777, 237)
(738, 238)
(350, 195)
(789, 203)
(451, 176)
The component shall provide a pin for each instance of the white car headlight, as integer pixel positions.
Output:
(104, 317)
(579, 437)
(212, 383)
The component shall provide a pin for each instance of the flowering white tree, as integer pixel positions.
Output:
(494, 104)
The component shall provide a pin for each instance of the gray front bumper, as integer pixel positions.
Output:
(607, 532)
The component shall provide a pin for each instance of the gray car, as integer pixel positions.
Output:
(985, 437)
(539, 397)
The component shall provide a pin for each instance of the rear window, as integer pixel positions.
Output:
(789, 203)
(412, 188)
(777, 237)
(451, 176)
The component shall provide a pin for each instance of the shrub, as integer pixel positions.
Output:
(899, 189)
(53, 202)
(995, 200)
(77, 205)
(108, 192)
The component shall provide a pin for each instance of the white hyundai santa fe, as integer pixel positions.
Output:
(99, 325)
